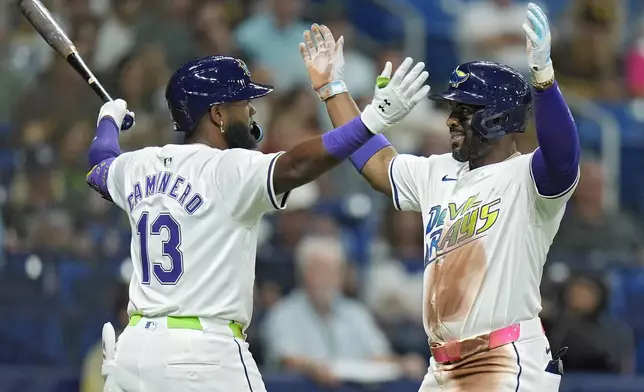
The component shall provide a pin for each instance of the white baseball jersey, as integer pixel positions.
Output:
(487, 233)
(194, 212)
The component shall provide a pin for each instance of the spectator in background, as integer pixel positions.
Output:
(91, 376)
(12, 83)
(588, 55)
(596, 343)
(587, 229)
(26, 52)
(280, 28)
(635, 63)
(316, 329)
(167, 24)
(491, 30)
(212, 25)
(394, 281)
(117, 34)
(294, 119)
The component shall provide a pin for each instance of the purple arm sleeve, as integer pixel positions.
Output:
(555, 163)
(97, 178)
(369, 149)
(106, 143)
(346, 139)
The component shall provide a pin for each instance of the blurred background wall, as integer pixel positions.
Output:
(65, 251)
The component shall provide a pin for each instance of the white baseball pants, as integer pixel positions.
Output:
(150, 357)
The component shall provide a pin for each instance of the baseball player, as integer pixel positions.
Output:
(489, 216)
(194, 210)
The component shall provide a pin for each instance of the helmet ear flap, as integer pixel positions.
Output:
(491, 124)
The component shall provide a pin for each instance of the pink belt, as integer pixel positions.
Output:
(456, 350)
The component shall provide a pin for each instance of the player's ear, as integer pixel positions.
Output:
(216, 115)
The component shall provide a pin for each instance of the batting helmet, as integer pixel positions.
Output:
(200, 84)
(500, 92)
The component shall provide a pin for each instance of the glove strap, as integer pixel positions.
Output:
(544, 78)
(332, 89)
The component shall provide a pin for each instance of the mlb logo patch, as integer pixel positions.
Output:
(167, 162)
(150, 325)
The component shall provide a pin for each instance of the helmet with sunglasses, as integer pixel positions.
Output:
(200, 84)
(500, 94)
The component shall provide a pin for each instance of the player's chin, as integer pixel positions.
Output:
(456, 153)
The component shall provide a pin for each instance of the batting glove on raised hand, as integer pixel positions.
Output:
(538, 40)
(395, 96)
(117, 110)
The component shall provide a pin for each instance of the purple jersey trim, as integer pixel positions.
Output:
(361, 157)
(106, 143)
(97, 178)
(346, 139)
(555, 164)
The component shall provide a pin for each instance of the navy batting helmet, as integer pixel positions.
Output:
(500, 92)
(200, 84)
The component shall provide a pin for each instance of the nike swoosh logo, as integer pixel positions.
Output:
(445, 178)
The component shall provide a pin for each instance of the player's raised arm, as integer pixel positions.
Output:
(105, 147)
(555, 164)
(325, 67)
(389, 105)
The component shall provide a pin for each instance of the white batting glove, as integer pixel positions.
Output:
(117, 110)
(395, 96)
(538, 40)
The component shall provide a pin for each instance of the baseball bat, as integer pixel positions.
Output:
(40, 18)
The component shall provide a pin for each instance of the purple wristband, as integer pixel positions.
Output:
(361, 157)
(346, 139)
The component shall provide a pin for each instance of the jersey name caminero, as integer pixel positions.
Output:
(194, 212)
(487, 234)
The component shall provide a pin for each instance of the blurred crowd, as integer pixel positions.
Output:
(339, 256)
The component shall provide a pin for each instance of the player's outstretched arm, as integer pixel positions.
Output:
(391, 104)
(324, 61)
(555, 164)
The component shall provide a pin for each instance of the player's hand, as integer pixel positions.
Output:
(395, 96)
(117, 110)
(322, 55)
(538, 41)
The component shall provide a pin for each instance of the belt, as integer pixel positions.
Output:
(456, 350)
(190, 322)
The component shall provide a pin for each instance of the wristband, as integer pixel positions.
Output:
(346, 139)
(361, 157)
(543, 78)
(329, 90)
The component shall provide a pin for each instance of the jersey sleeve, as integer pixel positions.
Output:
(244, 179)
(116, 177)
(405, 175)
(546, 207)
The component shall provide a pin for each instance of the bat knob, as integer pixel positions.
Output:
(128, 121)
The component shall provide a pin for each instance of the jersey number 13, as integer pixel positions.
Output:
(170, 248)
